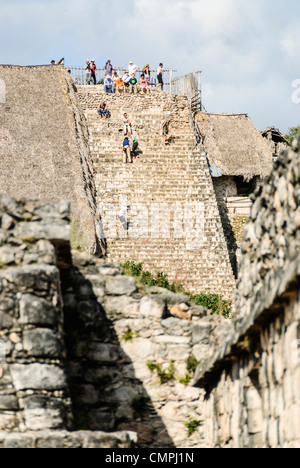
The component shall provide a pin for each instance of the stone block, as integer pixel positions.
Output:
(201, 331)
(42, 413)
(38, 377)
(154, 307)
(120, 285)
(42, 342)
(37, 311)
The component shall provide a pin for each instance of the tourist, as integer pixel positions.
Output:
(165, 132)
(108, 68)
(53, 62)
(146, 72)
(126, 79)
(120, 86)
(133, 84)
(144, 84)
(127, 125)
(108, 85)
(115, 78)
(127, 157)
(94, 71)
(70, 73)
(122, 215)
(159, 75)
(135, 145)
(103, 110)
(88, 72)
(132, 68)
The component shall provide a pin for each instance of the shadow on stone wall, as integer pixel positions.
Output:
(106, 395)
(230, 238)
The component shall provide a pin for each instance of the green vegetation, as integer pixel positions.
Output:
(164, 376)
(145, 278)
(214, 302)
(291, 133)
(192, 425)
(185, 380)
(128, 335)
(192, 364)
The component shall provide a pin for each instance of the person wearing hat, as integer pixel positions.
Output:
(132, 68)
(94, 71)
(125, 79)
(108, 84)
(88, 72)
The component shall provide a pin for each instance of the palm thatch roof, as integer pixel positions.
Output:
(234, 145)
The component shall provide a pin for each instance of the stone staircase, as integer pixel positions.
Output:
(173, 175)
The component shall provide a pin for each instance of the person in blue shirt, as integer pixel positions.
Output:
(127, 156)
(108, 84)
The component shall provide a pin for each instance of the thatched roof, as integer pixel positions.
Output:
(234, 145)
(273, 134)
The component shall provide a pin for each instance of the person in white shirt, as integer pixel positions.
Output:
(126, 78)
(122, 216)
(159, 74)
(132, 68)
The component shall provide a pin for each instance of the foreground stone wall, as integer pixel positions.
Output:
(252, 379)
(35, 261)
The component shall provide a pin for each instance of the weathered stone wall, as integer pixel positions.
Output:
(43, 143)
(35, 263)
(252, 378)
(114, 332)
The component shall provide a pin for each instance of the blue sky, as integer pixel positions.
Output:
(248, 50)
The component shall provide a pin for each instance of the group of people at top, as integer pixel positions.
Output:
(114, 83)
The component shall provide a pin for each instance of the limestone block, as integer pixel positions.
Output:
(38, 377)
(36, 231)
(37, 311)
(120, 285)
(154, 307)
(177, 327)
(42, 342)
(201, 331)
(8, 403)
(103, 352)
(42, 413)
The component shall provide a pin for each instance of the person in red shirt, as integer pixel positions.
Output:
(94, 71)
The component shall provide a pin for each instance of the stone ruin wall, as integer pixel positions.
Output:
(93, 375)
(253, 379)
(78, 338)
(35, 404)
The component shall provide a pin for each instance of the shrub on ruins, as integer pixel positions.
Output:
(213, 302)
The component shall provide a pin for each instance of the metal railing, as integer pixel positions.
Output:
(78, 74)
(188, 85)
